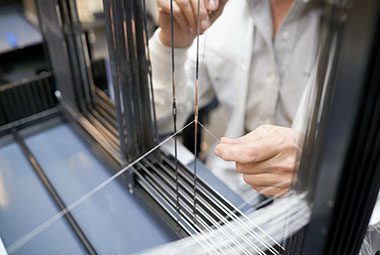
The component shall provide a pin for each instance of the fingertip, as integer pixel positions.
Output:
(203, 15)
(221, 151)
(205, 24)
(217, 151)
(212, 5)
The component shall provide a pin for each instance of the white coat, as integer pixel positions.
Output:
(224, 73)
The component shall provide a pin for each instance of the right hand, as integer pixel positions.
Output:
(185, 19)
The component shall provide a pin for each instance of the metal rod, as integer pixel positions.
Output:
(196, 110)
(111, 17)
(30, 120)
(147, 117)
(204, 219)
(213, 198)
(149, 67)
(105, 132)
(53, 193)
(174, 107)
(105, 123)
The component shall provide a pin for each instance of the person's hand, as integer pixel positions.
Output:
(267, 157)
(185, 19)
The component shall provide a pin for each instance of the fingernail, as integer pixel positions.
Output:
(205, 24)
(192, 31)
(212, 4)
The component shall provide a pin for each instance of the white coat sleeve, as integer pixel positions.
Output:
(184, 81)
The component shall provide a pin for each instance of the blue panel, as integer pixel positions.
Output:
(114, 221)
(25, 204)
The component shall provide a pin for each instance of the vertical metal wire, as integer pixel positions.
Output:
(196, 115)
(174, 110)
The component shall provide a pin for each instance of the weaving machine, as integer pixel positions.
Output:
(82, 173)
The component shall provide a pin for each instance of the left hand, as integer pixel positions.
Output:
(268, 157)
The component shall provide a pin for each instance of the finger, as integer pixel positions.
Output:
(215, 14)
(249, 152)
(266, 189)
(250, 137)
(234, 152)
(277, 164)
(242, 139)
(266, 179)
(187, 10)
(228, 140)
(203, 14)
(244, 153)
(240, 167)
(274, 192)
(262, 188)
(212, 5)
(180, 18)
(255, 135)
(261, 132)
(256, 168)
(164, 7)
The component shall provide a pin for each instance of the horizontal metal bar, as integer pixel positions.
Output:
(101, 128)
(206, 202)
(201, 183)
(154, 192)
(168, 194)
(155, 200)
(186, 196)
(25, 81)
(206, 196)
(111, 119)
(74, 116)
(30, 120)
(105, 122)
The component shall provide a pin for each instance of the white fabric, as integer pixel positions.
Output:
(241, 64)
(375, 218)
(2, 248)
(280, 67)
